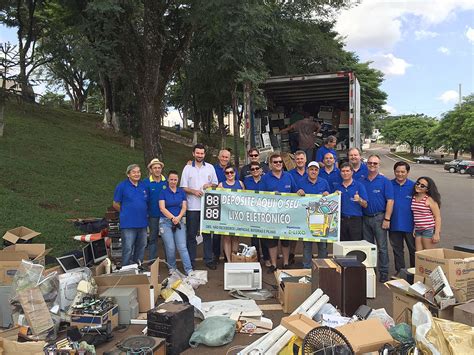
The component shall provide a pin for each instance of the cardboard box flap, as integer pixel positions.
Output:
(24, 233)
(293, 273)
(398, 285)
(13, 255)
(442, 253)
(299, 324)
(33, 250)
(367, 335)
(124, 279)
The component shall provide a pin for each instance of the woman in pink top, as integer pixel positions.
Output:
(425, 205)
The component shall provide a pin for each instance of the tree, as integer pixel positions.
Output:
(456, 129)
(414, 130)
(9, 61)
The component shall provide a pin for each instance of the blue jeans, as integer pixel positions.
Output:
(308, 252)
(192, 230)
(153, 225)
(373, 233)
(175, 240)
(133, 245)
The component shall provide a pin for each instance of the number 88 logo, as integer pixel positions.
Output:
(212, 200)
(212, 213)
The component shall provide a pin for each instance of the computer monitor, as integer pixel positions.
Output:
(88, 255)
(99, 250)
(68, 262)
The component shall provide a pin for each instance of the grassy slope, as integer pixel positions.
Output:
(56, 164)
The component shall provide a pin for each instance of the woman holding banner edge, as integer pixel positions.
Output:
(230, 243)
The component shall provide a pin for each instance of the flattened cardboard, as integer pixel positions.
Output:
(464, 313)
(299, 324)
(367, 335)
(141, 282)
(292, 294)
(458, 267)
(36, 311)
(22, 234)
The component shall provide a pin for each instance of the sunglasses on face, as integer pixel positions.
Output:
(229, 172)
(372, 163)
(253, 155)
(423, 186)
(254, 169)
(277, 162)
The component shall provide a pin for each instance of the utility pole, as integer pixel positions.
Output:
(460, 96)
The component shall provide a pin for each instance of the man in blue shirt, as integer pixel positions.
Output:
(355, 159)
(328, 147)
(254, 156)
(299, 173)
(401, 223)
(131, 200)
(278, 180)
(377, 215)
(155, 184)
(313, 185)
(329, 172)
(353, 200)
(254, 181)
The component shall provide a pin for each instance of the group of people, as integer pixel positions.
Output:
(373, 207)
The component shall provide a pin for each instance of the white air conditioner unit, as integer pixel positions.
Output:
(242, 276)
(365, 252)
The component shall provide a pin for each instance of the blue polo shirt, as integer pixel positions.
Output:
(362, 173)
(285, 183)
(332, 178)
(379, 190)
(322, 151)
(133, 204)
(317, 188)
(250, 184)
(297, 177)
(348, 206)
(173, 200)
(154, 189)
(402, 216)
(221, 173)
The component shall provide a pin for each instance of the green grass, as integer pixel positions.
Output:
(57, 164)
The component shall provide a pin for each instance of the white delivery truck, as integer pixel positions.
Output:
(333, 99)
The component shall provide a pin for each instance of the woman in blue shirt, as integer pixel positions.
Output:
(173, 230)
(231, 243)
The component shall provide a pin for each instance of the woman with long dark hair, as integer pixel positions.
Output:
(426, 204)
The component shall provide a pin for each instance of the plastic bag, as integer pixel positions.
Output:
(27, 276)
(382, 315)
(213, 331)
(428, 335)
(402, 333)
(327, 308)
(459, 337)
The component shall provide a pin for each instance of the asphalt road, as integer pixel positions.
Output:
(457, 192)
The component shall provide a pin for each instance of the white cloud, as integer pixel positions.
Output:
(422, 34)
(377, 23)
(390, 109)
(470, 34)
(389, 64)
(449, 96)
(444, 50)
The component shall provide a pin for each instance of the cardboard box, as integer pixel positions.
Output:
(11, 257)
(243, 259)
(299, 324)
(292, 294)
(85, 320)
(464, 313)
(403, 303)
(10, 346)
(20, 235)
(458, 267)
(366, 336)
(141, 282)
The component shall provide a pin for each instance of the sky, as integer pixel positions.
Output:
(425, 48)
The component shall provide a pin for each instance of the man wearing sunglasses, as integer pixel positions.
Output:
(377, 215)
(278, 180)
(254, 156)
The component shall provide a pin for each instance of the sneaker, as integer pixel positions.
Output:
(271, 269)
(216, 260)
(286, 266)
(211, 266)
(383, 278)
(268, 263)
(291, 259)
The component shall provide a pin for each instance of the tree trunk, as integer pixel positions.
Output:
(411, 148)
(220, 121)
(472, 152)
(108, 101)
(2, 115)
(456, 152)
(235, 114)
(150, 130)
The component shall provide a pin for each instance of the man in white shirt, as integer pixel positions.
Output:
(197, 177)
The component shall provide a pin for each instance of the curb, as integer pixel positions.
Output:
(400, 157)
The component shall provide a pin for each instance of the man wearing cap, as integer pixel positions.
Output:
(197, 177)
(131, 200)
(312, 185)
(155, 183)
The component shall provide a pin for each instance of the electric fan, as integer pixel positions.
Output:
(326, 341)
